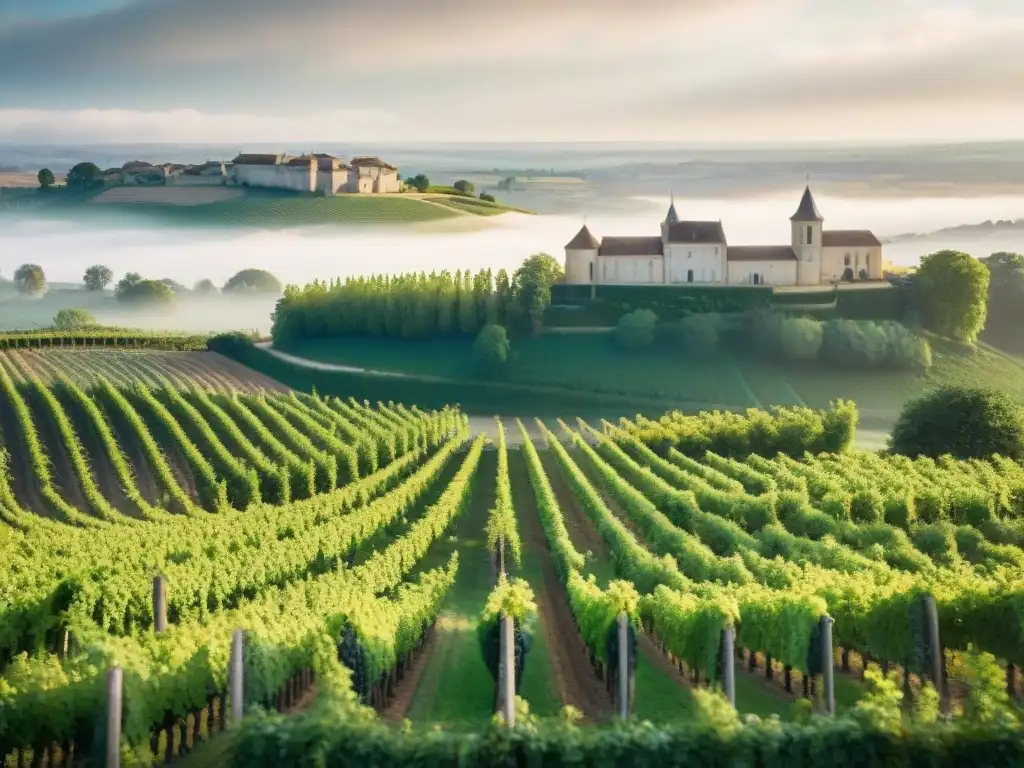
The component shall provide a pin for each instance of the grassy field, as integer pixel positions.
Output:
(219, 206)
(591, 362)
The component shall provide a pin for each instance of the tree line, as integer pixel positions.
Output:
(30, 280)
(418, 305)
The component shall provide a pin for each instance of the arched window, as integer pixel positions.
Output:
(591, 271)
(810, 235)
(757, 278)
(846, 260)
(689, 275)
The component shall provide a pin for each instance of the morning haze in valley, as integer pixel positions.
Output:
(563, 383)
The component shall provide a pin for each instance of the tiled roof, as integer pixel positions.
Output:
(371, 162)
(244, 159)
(807, 210)
(303, 161)
(849, 238)
(584, 240)
(696, 232)
(760, 253)
(630, 246)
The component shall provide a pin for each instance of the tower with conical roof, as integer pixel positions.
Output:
(806, 230)
(670, 218)
(581, 258)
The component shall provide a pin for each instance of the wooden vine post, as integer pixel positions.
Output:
(931, 610)
(507, 671)
(624, 666)
(235, 673)
(159, 604)
(827, 666)
(729, 663)
(115, 690)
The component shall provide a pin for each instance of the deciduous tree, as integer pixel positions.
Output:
(953, 292)
(252, 281)
(97, 277)
(46, 178)
(30, 280)
(70, 319)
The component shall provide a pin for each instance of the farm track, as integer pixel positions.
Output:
(575, 680)
(455, 687)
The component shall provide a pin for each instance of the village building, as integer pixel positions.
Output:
(320, 173)
(697, 252)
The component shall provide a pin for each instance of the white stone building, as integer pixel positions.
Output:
(697, 252)
(315, 173)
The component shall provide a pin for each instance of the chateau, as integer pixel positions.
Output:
(697, 252)
(321, 173)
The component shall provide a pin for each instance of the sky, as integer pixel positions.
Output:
(261, 71)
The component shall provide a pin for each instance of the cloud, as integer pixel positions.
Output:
(319, 36)
(942, 57)
(465, 69)
(130, 126)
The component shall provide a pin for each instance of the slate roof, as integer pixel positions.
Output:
(849, 238)
(807, 210)
(696, 232)
(630, 246)
(760, 253)
(584, 240)
(672, 217)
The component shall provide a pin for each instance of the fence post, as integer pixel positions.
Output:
(827, 666)
(159, 604)
(115, 688)
(729, 663)
(935, 646)
(507, 670)
(235, 675)
(623, 630)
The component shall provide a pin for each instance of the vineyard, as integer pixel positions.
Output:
(184, 545)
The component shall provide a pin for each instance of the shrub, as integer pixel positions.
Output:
(838, 506)
(146, 292)
(491, 349)
(696, 334)
(636, 330)
(867, 506)
(801, 338)
(938, 542)
(70, 319)
(963, 422)
(900, 511)
(487, 197)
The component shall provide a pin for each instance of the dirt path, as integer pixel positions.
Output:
(133, 453)
(585, 537)
(575, 680)
(395, 711)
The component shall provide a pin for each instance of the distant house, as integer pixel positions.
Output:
(139, 173)
(209, 174)
(321, 173)
(697, 252)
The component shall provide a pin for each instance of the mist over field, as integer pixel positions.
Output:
(619, 189)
